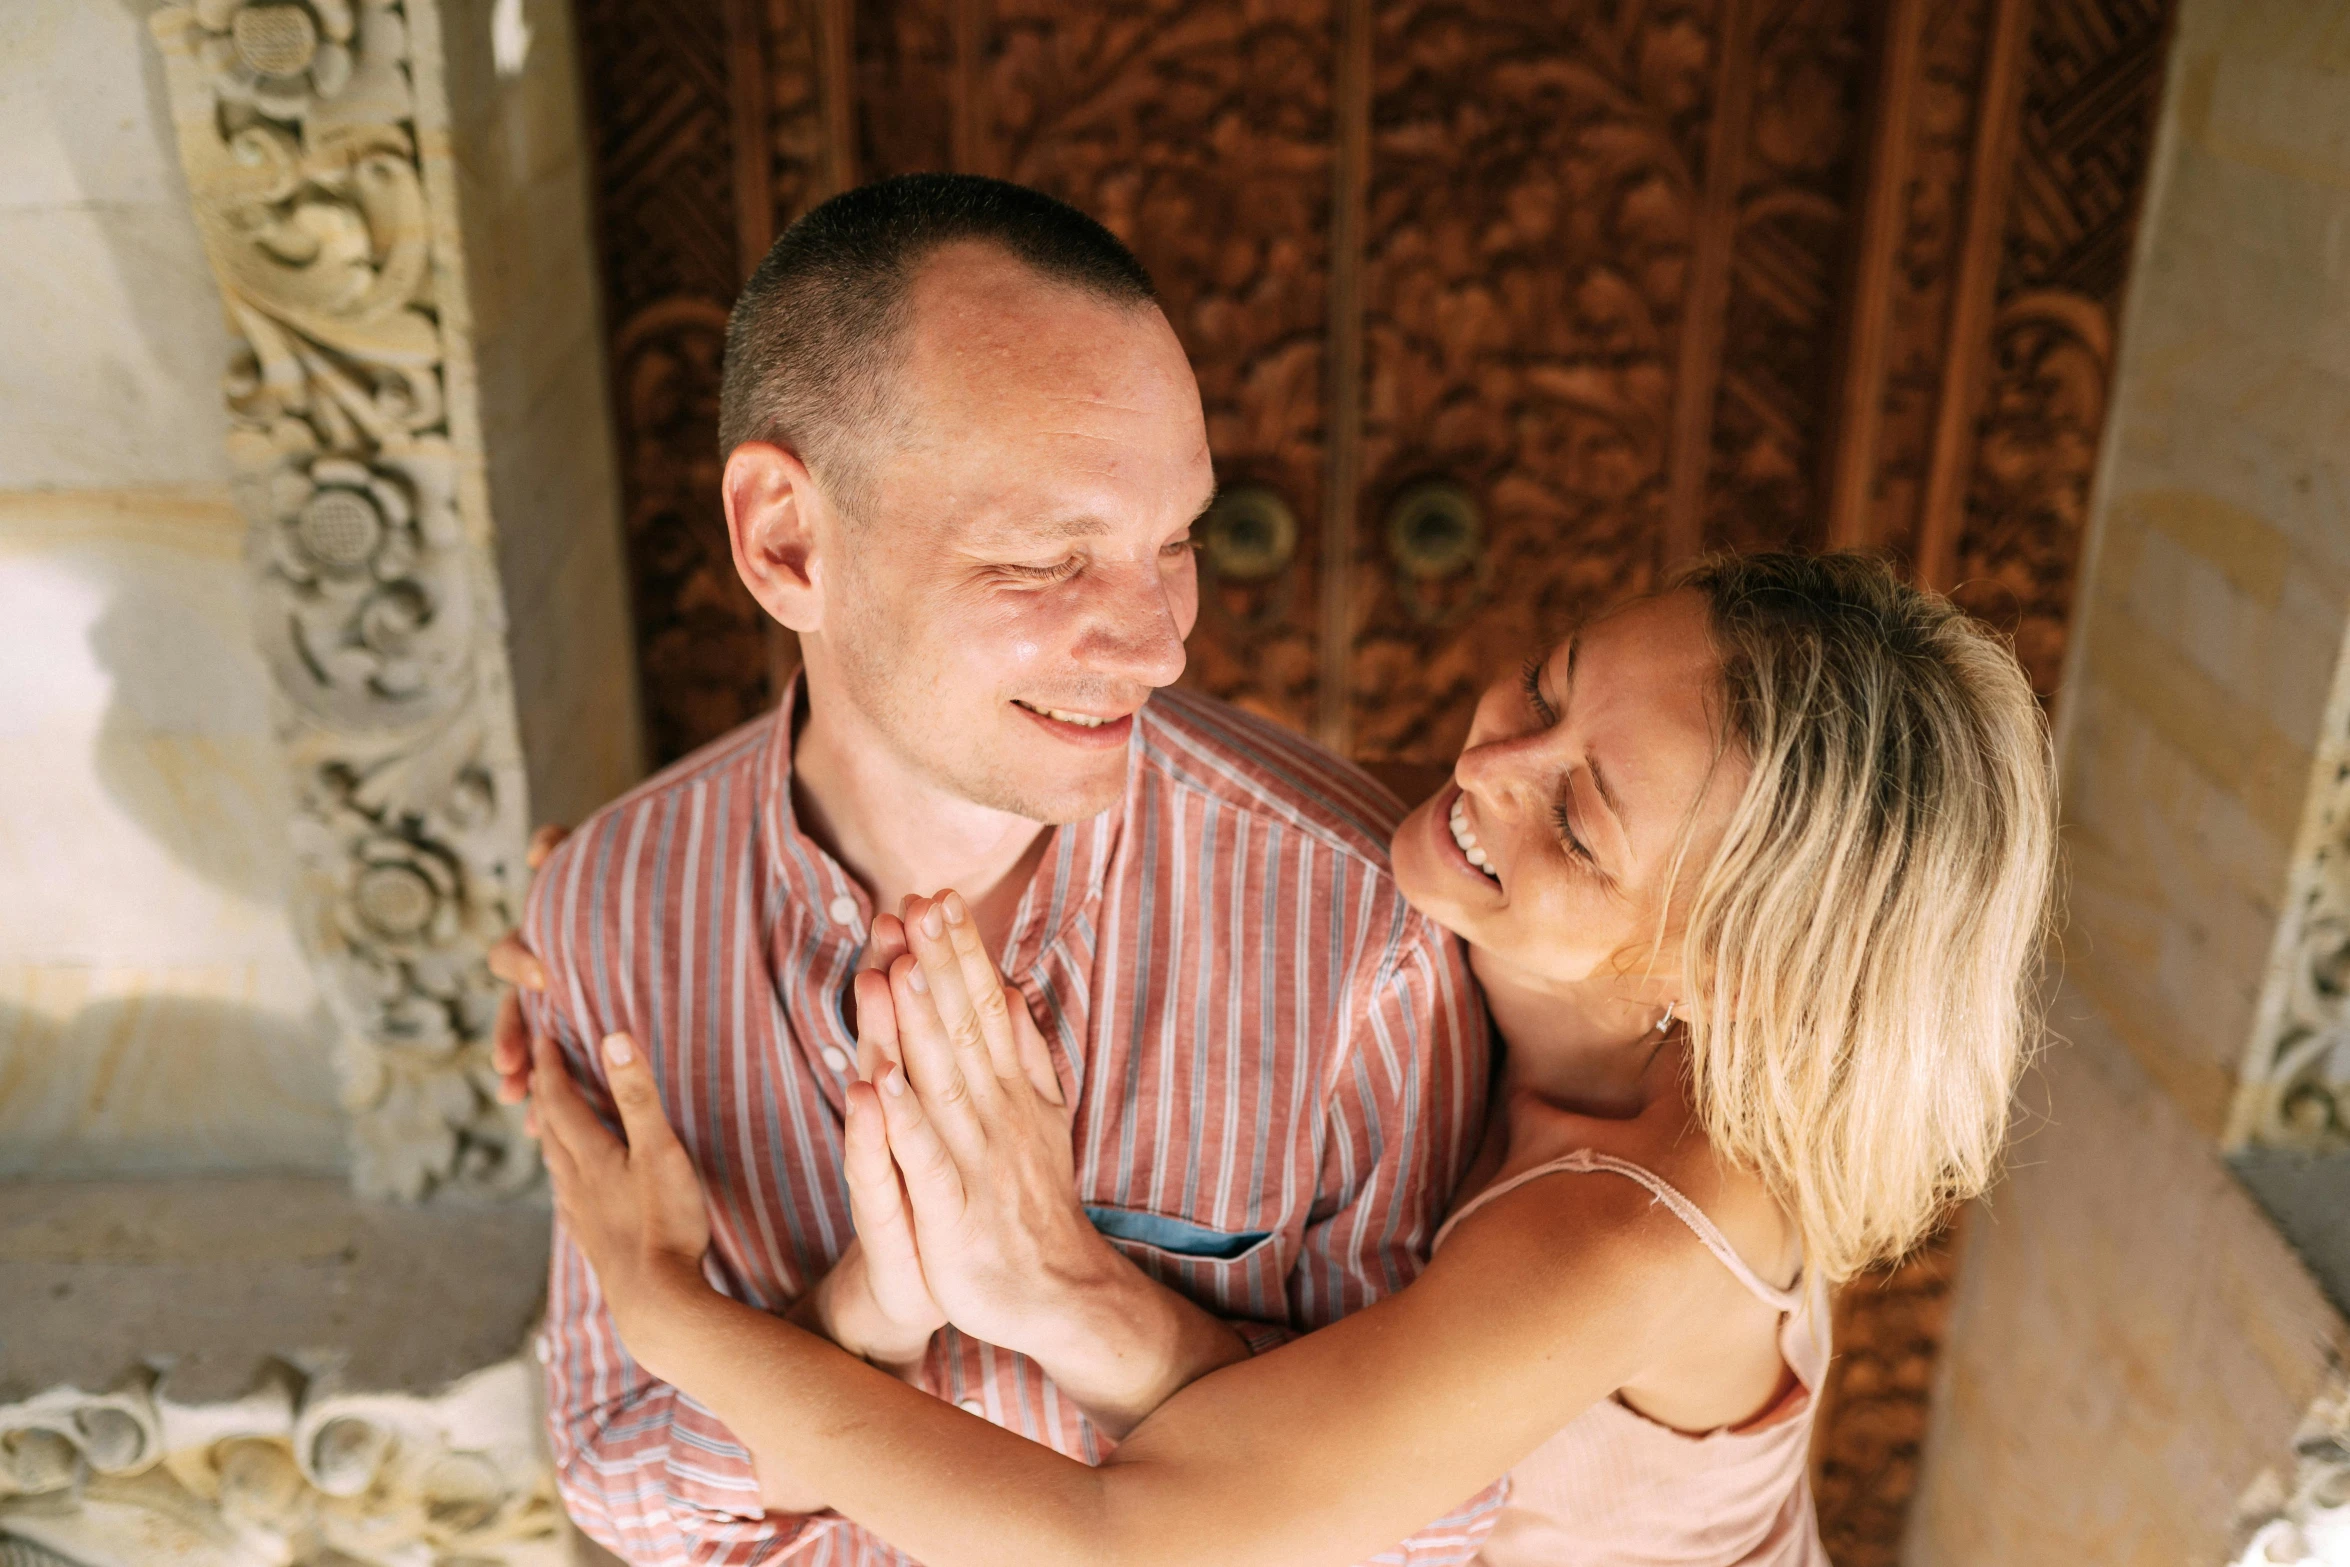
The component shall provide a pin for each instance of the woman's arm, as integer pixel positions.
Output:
(1325, 1450)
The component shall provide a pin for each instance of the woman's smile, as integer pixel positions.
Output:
(1464, 838)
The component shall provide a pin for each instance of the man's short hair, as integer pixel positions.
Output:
(819, 328)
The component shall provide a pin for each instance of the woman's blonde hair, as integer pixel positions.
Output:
(1861, 952)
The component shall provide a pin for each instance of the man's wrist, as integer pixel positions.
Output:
(842, 1309)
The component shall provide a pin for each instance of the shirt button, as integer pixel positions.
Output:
(972, 1406)
(836, 1058)
(843, 910)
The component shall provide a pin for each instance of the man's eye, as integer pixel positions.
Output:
(1187, 545)
(1060, 571)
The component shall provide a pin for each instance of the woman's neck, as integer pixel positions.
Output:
(1584, 1045)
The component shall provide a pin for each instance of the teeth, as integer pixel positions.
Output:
(1081, 720)
(1461, 835)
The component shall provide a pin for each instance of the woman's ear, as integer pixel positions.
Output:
(776, 520)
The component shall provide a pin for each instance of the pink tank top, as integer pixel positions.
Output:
(1615, 1489)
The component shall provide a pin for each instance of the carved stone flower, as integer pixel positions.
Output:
(278, 55)
(369, 620)
(402, 895)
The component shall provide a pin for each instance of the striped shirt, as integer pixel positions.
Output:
(1280, 1069)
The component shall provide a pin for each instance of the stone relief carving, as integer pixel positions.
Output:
(295, 1473)
(2295, 1087)
(2304, 1521)
(299, 125)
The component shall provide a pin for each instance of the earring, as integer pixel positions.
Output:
(1666, 1021)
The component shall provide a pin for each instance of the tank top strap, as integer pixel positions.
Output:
(1585, 1161)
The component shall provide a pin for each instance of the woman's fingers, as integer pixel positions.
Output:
(516, 964)
(933, 1181)
(1036, 1057)
(543, 843)
(564, 1117)
(642, 1119)
(510, 1050)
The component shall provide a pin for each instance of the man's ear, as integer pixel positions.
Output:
(777, 521)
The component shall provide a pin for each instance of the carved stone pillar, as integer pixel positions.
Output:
(314, 136)
(2299, 1515)
(2294, 1091)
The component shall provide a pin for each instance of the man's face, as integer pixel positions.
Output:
(1017, 576)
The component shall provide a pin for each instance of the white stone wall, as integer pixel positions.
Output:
(2134, 1345)
(154, 1012)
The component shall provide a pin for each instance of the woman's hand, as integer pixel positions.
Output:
(633, 1209)
(520, 968)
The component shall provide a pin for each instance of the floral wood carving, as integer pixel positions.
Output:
(1943, 108)
(1535, 197)
(376, 607)
(1779, 329)
(2091, 90)
(670, 89)
(909, 82)
(297, 1470)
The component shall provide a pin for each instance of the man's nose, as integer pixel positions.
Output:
(1133, 632)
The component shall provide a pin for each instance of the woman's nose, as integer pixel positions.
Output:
(1498, 773)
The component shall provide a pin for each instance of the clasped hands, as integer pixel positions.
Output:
(958, 1167)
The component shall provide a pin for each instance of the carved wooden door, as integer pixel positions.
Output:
(1500, 309)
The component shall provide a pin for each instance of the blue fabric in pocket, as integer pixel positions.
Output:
(1178, 1236)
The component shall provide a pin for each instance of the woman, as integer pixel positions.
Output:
(1753, 873)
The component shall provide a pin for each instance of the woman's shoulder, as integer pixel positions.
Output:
(1668, 1144)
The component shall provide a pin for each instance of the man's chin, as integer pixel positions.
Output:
(1072, 794)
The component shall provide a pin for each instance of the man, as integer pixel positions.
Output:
(965, 452)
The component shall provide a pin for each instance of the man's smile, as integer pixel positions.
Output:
(1098, 731)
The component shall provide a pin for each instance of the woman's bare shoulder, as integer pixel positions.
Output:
(1668, 1141)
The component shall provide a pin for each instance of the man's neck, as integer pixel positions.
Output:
(899, 833)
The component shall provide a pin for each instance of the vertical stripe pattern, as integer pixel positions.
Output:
(1267, 1042)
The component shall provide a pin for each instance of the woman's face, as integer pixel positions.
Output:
(1553, 847)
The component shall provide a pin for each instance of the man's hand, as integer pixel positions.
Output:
(984, 1151)
(979, 1130)
(875, 1302)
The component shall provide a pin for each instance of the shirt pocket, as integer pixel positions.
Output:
(1236, 1273)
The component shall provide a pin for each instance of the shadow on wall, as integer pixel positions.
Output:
(183, 749)
(153, 1084)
